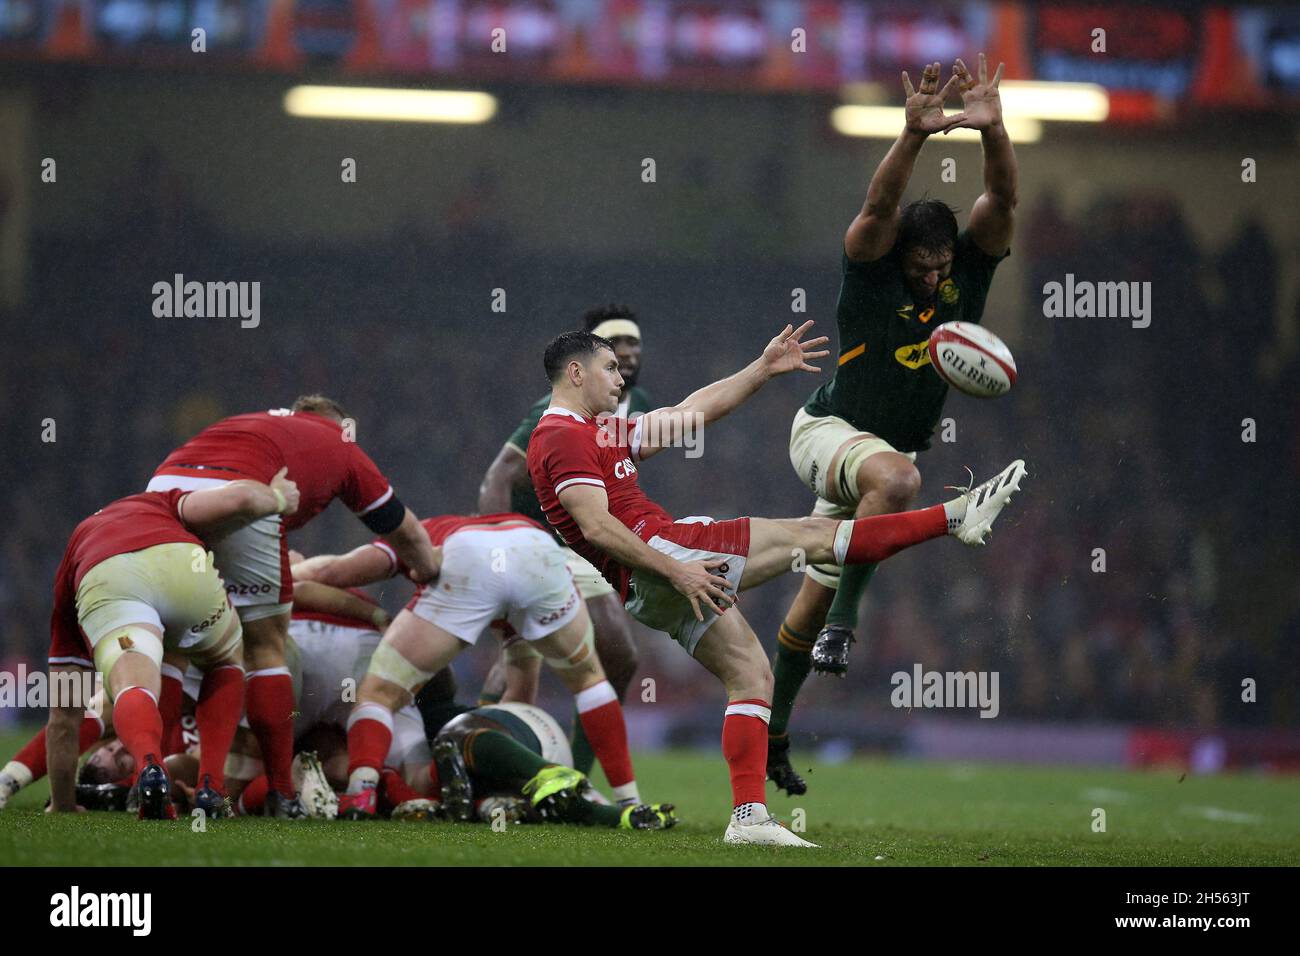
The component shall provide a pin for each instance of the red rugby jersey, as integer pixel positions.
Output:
(128, 524)
(257, 445)
(442, 527)
(567, 449)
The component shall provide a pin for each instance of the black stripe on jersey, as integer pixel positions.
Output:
(386, 517)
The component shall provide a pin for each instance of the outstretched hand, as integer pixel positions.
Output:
(924, 107)
(981, 101)
(786, 353)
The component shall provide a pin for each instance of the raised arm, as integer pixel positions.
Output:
(875, 229)
(509, 470)
(589, 507)
(665, 427)
(992, 218)
(212, 512)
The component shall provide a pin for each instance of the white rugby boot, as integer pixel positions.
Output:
(314, 790)
(757, 827)
(8, 787)
(984, 503)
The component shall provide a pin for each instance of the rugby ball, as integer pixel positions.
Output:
(972, 359)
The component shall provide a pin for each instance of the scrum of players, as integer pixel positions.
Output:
(239, 677)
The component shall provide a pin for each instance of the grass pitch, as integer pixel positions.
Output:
(863, 813)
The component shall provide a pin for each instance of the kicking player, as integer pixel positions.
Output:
(681, 577)
(507, 487)
(327, 463)
(136, 578)
(855, 441)
(493, 566)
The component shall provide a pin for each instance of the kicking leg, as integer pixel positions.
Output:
(782, 544)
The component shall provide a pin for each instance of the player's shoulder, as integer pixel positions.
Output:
(559, 435)
(866, 268)
(967, 250)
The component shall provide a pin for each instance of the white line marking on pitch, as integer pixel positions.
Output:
(1220, 815)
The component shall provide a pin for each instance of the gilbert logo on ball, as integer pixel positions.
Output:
(972, 359)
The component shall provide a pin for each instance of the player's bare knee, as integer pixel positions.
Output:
(758, 682)
(266, 634)
(888, 483)
(749, 674)
(815, 539)
(377, 690)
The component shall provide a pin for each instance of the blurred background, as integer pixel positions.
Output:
(169, 160)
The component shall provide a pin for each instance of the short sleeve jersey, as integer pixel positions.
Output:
(567, 449)
(524, 499)
(321, 459)
(883, 383)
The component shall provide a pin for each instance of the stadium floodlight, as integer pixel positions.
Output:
(886, 122)
(1066, 102)
(392, 105)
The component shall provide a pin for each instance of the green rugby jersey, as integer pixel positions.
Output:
(883, 384)
(524, 500)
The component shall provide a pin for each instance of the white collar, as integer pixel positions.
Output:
(557, 410)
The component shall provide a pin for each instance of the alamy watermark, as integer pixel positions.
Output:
(1082, 299)
(38, 689)
(662, 429)
(76, 909)
(960, 689)
(208, 300)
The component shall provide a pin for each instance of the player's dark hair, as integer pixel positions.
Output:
(563, 349)
(322, 405)
(929, 225)
(603, 313)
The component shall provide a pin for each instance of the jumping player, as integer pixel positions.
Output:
(854, 443)
(681, 577)
(327, 463)
(508, 487)
(136, 578)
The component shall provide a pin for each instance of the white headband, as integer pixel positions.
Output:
(615, 328)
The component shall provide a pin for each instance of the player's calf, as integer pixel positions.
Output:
(571, 653)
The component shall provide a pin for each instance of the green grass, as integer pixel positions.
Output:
(914, 814)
